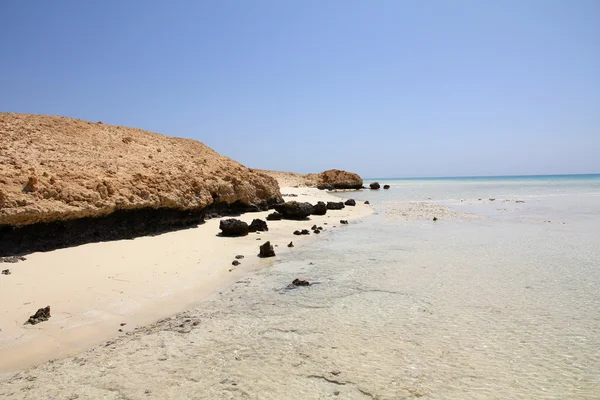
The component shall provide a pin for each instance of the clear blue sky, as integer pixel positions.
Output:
(382, 88)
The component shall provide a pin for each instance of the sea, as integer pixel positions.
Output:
(499, 298)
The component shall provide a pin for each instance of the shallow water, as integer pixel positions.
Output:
(505, 305)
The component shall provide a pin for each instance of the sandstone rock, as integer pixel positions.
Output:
(72, 175)
(258, 225)
(266, 250)
(386, 186)
(374, 185)
(233, 227)
(41, 315)
(339, 179)
(274, 216)
(320, 208)
(333, 205)
(350, 202)
(294, 210)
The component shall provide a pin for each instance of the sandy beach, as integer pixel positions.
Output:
(100, 291)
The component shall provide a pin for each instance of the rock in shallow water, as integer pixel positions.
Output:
(233, 227)
(375, 185)
(266, 250)
(386, 186)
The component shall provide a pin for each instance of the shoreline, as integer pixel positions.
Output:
(95, 288)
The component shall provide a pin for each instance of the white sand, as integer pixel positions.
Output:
(94, 288)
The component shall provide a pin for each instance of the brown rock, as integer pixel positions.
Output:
(41, 315)
(266, 250)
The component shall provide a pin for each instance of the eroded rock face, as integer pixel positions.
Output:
(233, 227)
(295, 210)
(335, 205)
(320, 208)
(59, 170)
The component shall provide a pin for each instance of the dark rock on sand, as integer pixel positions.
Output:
(233, 227)
(320, 208)
(291, 244)
(239, 257)
(6, 272)
(333, 205)
(297, 233)
(11, 259)
(275, 216)
(305, 232)
(350, 202)
(299, 282)
(235, 262)
(386, 186)
(375, 185)
(435, 218)
(266, 250)
(294, 209)
(343, 222)
(367, 202)
(258, 225)
(41, 315)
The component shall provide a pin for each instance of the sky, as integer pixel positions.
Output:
(382, 88)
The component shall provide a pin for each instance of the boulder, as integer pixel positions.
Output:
(367, 202)
(305, 232)
(258, 225)
(239, 257)
(297, 233)
(295, 210)
(333, 205)
(320, 208)
(291, 244)
(275, 216)
(375, 185)
(299, 282)
(338, 179)
(343, 222)
(235, 262)
(386, 186)
(350, 202)
(41, 315)
(266, 250)
(6, 272)
(233, 227)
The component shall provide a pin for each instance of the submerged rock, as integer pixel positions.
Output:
(233, 227)
(335, 205)
(266, 250)
(374, 185)
(275, 216)
(258, 225)
(320, 208)
(350, 202)
(295, 209)
(41, 315)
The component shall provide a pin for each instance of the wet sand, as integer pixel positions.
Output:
(94, 288)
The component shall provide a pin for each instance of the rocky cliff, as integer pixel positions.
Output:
(330, 179)
(67, 177)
